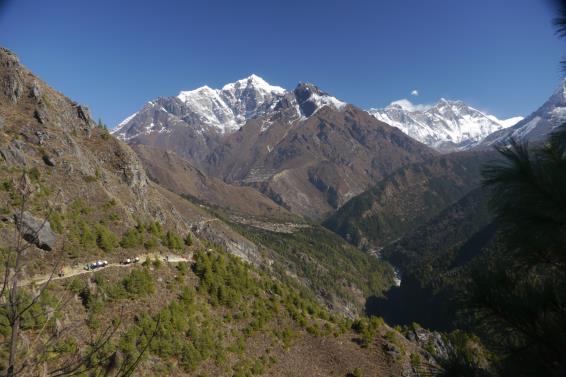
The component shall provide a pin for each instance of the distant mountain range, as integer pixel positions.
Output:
(446, 126)
(305, 149)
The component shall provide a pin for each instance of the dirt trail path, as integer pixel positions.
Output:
(75, 270)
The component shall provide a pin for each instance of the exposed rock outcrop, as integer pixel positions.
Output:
(36, 231)
(13, 154)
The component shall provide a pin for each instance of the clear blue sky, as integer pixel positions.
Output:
(499, 55)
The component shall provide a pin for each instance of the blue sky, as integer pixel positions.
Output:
(498, 55)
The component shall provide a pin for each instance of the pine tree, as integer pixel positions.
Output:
(519, 292)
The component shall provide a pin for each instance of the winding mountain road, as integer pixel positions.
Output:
(75, 270)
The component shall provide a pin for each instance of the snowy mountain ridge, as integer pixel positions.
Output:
(537, 125)
(446, 126)
(220, 111)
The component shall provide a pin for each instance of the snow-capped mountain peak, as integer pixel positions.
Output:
(224, 110)
(253, 81)
(310, 99)
(217, 110)
(446, 126)
(185, 95)
(538, 124)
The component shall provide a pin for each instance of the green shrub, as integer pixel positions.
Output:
(367, 328)
(172, 241)
(105, 239)
(56, 222)
(156, 263)
(86, 234)
(357, 373)
(155, 229)
(188, 240)
(151, 243)
(131, 239)
(7, 186)
(34, 174)
(139, 282)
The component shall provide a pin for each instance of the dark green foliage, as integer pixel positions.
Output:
(86, 234)
(173, 241)
(367, 328)
(518, 294)
(433, 261)
(152, 235)
(33, 319)
(138, 283)
(188, 240)
(155, 229)
(223, 280)
(151, 243)
(330, 265)
(56, 222)
(7, 186)
(105, 239)
(132, 238)
(188, 331)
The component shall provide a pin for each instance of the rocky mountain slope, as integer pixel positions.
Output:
(305, 149)
(407, 198)
(98, 185)
(216, 315)
(315, 165)
(178, 175)
(537, 125)
(446, 126)
(44, 132)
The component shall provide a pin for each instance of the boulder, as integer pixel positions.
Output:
(41, 137)
(13, 154)
(48, 160)
(13, 87)
(35, 92)
(8, 59)
(36, 231)
(40, 115)
(83, 113)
